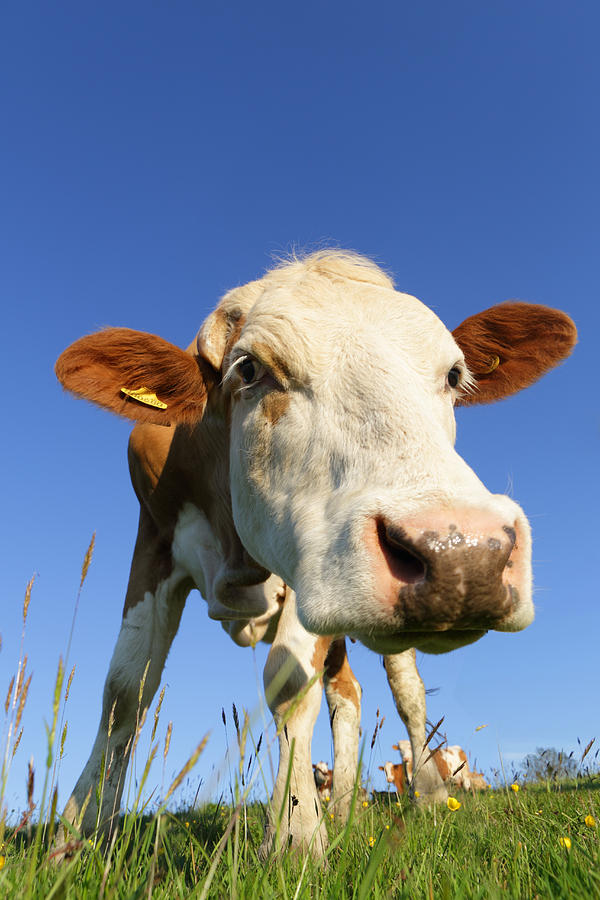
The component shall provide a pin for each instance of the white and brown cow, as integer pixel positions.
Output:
(323, 776)
(451, 762)
(395, 773)
(297, 465)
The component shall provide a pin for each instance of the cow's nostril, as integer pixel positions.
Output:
(405, 563)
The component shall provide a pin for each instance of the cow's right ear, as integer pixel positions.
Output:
(137, 375)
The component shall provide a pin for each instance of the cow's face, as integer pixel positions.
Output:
(343, 474)
(344, 477)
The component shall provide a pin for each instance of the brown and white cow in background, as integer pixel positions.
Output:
(323, 776)
(297, 465)
(395, 773)
(451, 762)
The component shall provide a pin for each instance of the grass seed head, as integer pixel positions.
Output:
(27, 599)
(17, 742)
(87, 560)
(69, 680)
(9, 695)
(168, 740)
(157, 712)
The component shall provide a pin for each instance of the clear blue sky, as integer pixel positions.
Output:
(154, 155)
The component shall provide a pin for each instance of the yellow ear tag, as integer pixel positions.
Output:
(494, 363)
(143, 395)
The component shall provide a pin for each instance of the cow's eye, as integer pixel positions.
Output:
(251, 371)
(247, 369)
(453, 377)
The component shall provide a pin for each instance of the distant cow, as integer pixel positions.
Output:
(451, 762)
(395, 774)
(323, 778)
(296, 464)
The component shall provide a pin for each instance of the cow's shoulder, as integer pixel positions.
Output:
(161, 471)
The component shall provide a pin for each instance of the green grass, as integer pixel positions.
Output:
(499, 843)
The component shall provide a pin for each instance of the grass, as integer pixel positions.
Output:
(499, 843)
(522, 841)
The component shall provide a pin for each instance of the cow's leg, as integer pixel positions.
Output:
(295, 817)
(153, 607)
(343, 693)
(409, 695)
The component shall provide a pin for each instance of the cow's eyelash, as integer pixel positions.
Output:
(234, 367)
(467, 383)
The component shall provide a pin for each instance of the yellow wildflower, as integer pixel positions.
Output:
(417, 794)
(398, 803)
(2, 861)
(326, 798)
(590, 821)
(453, 804)
(365, 804)
(565, 842)
(515, 788)
(371, 841)
(331, 815)
(187, 824)
(387, 827)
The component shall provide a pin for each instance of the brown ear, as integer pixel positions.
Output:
(510, 346)
(98, 367)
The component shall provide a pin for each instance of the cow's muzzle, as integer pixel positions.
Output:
(452, 570)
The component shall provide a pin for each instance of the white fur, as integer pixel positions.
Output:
(369, 431)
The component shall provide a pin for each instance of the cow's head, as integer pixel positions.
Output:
(339, 394)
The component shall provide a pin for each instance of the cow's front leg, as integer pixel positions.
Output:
(343, 693)
(150, 622)
(295, 660)
(409, 695)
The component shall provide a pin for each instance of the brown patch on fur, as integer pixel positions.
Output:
(527, 339)
(151, 563)
(442, 766)
(320, 652)
(173, 466)
(96, 367)
(339, 674)
(276, 365)
(149, 445)
(274, 405)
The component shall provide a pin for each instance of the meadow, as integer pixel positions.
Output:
(521, 838)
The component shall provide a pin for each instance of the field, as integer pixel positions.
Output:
(539, 842)
(528, 839)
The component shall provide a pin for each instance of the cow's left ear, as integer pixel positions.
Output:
(137, 375)
(510, 346)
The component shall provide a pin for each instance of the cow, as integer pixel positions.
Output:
(452, 765)
(323, 776)
(296, 464)
(395, 774)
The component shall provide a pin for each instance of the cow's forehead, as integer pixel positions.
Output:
(309, 329)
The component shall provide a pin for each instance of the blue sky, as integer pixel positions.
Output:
(154, 155)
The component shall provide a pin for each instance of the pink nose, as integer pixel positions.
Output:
(447, 569)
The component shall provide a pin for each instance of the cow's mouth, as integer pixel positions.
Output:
(443, 641)
(425, 641)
